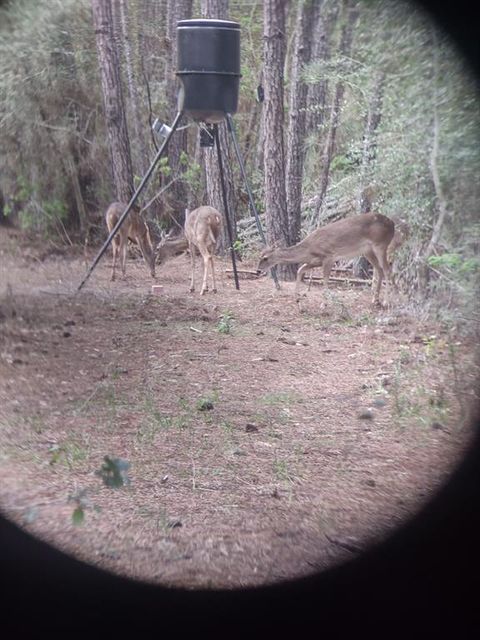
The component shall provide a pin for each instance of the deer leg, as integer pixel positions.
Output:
(123, 255)
(381, 255)
(377, 276)
(327, 268)
(149, 256)
(114, 257)
(299, 277)
(213, 275)
(192, 263)
(206, 260)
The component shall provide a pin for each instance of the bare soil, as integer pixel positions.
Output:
(266, 440)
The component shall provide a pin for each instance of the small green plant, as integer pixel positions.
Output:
(114, 472)
(224, 324)
(82, 502)
(68, 454)
(280, 398)
(164, 168)
(404, 356)
(239, 247)
(455, 263)
(281, 471)
(207, 403)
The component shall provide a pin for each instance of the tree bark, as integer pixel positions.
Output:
(369, 150)
(219, 9)
(178, 145)
(297, 117)
(139, 131)
(113, 100)
(440, 199)
(276, 214)
(317, 92)
(329, 147)
(361, 266)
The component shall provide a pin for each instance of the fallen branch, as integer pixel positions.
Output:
(357, 281)
(245, 272)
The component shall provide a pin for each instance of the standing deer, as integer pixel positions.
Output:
(134, 228)
(202, 228)
(367, 234)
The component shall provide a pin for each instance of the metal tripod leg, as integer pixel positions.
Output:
(225, 206)
(133, 198)
(229, 119)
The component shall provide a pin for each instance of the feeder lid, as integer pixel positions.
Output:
(204, 22)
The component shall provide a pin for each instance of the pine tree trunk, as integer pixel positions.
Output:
(276, 215)
(113, 100)
(324, 20)
(297, 117)
(219, 9)
(138, 126)
(178, 145)
(361, 266)
(329, 148)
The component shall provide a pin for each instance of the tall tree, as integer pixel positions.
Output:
(372, 121)
(329, 147)
(277, 226)
(297, 117)
(138, 126)
(324, 19)
(178, 145)
(113, 99)
(361, 266)
(219, 9)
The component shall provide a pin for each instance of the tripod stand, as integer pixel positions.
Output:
(149, 172)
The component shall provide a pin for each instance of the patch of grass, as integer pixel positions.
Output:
(104, 396)
(279, 398)
(225, 323)
(155, 421)
(158, 518)
(69, 454)
(207, 402)
(417, 403)
(36, 423)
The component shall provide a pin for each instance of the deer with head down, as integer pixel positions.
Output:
(134, 228)
(170, 246)
(202, 228)
(367, 234)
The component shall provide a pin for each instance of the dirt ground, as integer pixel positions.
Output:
(266, 440)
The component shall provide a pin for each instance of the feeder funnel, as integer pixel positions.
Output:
(209, 67)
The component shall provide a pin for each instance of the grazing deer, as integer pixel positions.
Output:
(367, 234)
(402, 233)
(202, 228)
(134, 228)
(170, 246)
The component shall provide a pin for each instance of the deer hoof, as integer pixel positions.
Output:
(192, 289)
(214, 291)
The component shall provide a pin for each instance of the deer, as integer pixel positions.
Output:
(170, 246)
(367, 234)
(401, 235)
(134, 228)
(202, 228)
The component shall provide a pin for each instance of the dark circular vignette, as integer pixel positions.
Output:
(417, 581)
